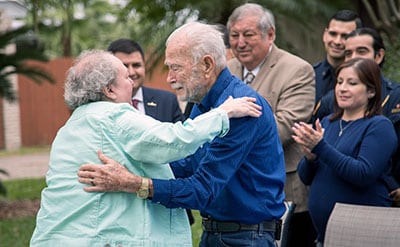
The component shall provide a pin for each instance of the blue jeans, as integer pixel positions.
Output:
(241, 238)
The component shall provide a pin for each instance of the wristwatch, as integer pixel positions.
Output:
(143, 191)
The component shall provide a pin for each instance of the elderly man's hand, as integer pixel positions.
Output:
(111, 176)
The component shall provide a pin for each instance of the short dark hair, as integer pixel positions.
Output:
(125, 46)
(370, 74)
(377, 41)
(346, 15)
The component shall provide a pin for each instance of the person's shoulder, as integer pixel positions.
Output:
(393, 99)
(391, 105)
(290, 56)
(103, 110)
(318, 65)
(382, 123)
(284, 59)
(156, 91)
(234, 64)
(395, 89)
(379, 120)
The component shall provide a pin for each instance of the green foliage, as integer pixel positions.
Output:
(392, 60)
(93, 24)
(14, 63)
(78, 25)
(196, 228)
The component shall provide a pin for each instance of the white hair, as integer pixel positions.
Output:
(202, 39)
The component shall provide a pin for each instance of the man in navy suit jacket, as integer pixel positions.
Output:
(159, 104)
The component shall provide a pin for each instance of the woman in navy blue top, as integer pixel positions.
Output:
(348, 153)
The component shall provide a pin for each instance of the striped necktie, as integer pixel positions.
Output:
(249, 77)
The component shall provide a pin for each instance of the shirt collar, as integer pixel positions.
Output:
(138, 95)
(211, 98)
(328, 70)
(256, 69)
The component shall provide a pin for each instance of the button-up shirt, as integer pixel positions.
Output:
(239, 177)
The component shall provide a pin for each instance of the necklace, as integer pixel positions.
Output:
(345, 127)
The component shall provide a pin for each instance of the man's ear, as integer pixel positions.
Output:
(109, 93)
(379, 56)
(325, 35)
(209, 65)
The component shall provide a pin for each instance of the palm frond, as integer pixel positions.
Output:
(16, 63)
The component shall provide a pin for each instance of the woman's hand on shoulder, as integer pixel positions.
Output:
(241, 107)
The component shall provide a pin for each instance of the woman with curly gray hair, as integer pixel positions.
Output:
(99, 90)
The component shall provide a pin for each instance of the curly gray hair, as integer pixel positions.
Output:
(91, 72)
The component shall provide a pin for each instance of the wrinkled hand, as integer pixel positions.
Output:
(111, 176)
(241, 107)
(305, 135)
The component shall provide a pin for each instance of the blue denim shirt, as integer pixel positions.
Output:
(239, 177)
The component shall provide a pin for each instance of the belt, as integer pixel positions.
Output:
(211, 225)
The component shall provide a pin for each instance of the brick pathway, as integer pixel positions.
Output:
(24, 166)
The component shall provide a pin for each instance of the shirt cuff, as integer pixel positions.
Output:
(225, 121)
(162, 191)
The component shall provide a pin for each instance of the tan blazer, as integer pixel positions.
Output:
(288, 83)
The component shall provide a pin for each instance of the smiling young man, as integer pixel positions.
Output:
(339, 25)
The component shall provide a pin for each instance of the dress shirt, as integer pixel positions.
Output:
(139, 97)
(237, 178)
(254, 71)
(350, 168)
(69, 216)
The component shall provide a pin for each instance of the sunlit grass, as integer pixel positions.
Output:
(25, 150)
(30, 188)
(18, 231)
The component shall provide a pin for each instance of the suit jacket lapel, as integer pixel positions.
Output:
(265, 68)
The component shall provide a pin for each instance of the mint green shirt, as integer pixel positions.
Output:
(69, 216)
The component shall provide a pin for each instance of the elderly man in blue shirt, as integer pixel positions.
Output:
(236, 182)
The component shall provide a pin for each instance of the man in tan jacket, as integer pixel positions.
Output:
(288, 83)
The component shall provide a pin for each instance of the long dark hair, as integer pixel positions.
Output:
(370, 74)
